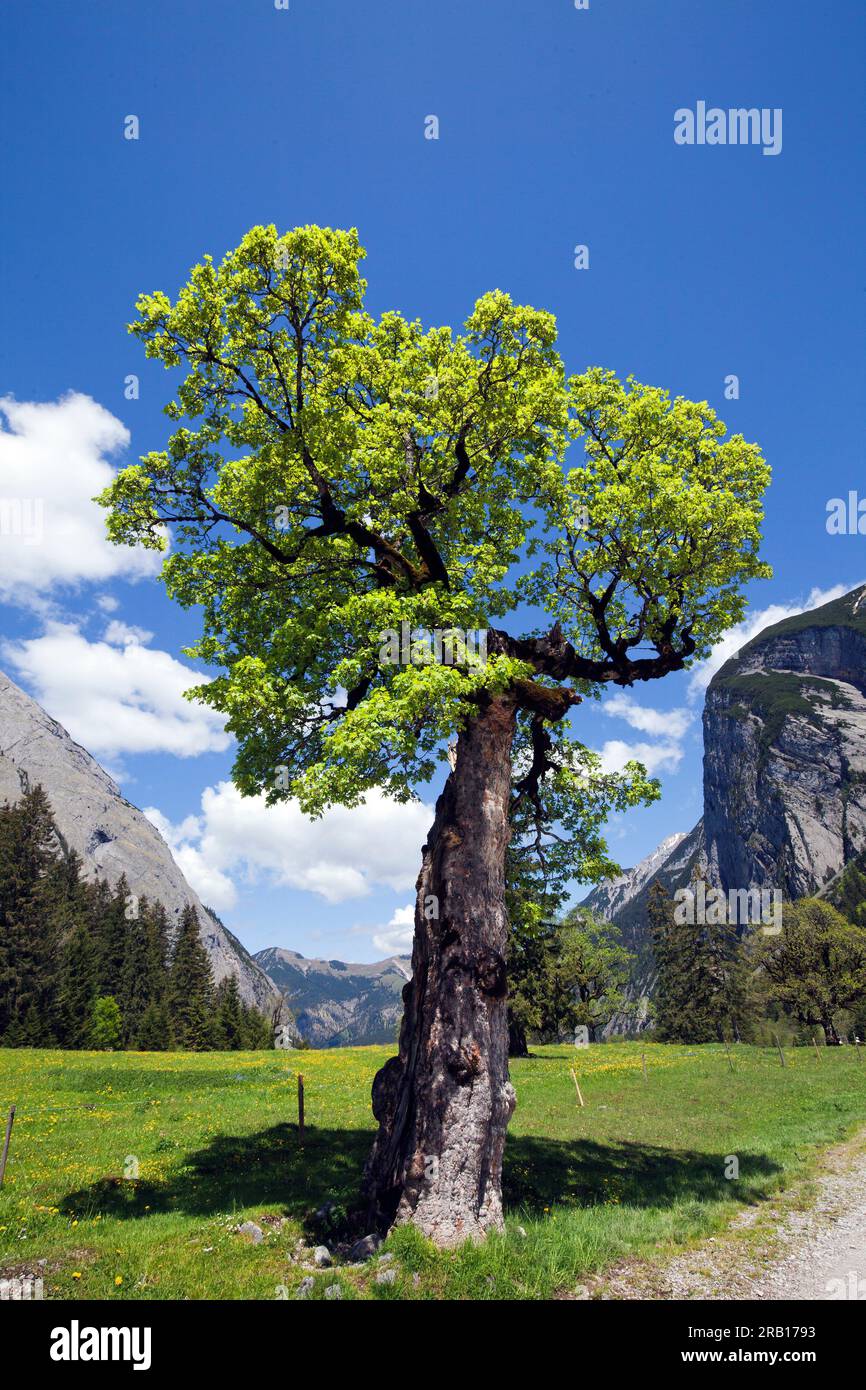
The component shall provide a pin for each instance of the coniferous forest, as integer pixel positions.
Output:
(87, 965)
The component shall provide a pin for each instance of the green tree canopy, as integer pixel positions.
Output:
(332, 475)
(816, 965)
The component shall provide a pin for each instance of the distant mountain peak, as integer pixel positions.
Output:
(336, 1003)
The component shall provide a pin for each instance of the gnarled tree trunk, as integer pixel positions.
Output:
(444, 1103)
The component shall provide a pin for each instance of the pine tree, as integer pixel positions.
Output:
(159, 948)
(703, 991)
(74, 952)
(67, 904)
(29, 846)
(258, 1032)
(191, 989)
(110, 935)
(683, 998)
(77, 988)
(154, 1033)
(229, 1031)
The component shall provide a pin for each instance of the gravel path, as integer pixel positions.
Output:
(771, 1252)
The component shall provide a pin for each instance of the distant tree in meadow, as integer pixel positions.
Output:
(106, 1024)
(816, 966)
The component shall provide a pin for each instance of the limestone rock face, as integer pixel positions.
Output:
(785, 753)
(784, 773)
(110, 834)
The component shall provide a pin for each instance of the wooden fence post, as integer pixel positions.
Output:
(6, 1142)
(300, 1107)
(779, 1046)
(815, 1045)
(576, 1085)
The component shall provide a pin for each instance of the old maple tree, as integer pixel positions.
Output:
(331, 476)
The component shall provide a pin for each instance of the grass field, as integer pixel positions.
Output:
(639, 1171)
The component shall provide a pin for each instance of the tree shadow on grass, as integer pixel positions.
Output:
(271, 1168)
(541, 1173)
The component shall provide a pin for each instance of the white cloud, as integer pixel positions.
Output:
(671, 723)
(737, 637)
(53, 461)
(396, 938)
(116, 700)
(342, 855)
(120, 634)
(664, 754)
(656, 757)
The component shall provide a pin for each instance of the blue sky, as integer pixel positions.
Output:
(556, 129)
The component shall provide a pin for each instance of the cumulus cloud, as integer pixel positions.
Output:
(737, 637)
(116, 699)
(54, 459)
(664, 756)
(120, 634)
(671, 723)
(396, 938)
(343, 855)
(667, 728)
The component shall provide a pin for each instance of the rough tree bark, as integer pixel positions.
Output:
(443, 1104)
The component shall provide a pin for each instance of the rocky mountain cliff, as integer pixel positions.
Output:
(784, 772)
(336, 1004)
(785, 753)
(111, 835)
(623, 900)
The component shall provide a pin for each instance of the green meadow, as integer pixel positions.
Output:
(129, 1173)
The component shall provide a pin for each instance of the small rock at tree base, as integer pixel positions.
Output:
(305, 1288)
(365, 1248)
(333, 1291)
(321, 1256)
(250, 1231)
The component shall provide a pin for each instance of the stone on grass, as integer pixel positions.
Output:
(333, 1291)
(305, 1288)
(251, 1232)
(386, 1276)
(321, 1256)
(365, 1248)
